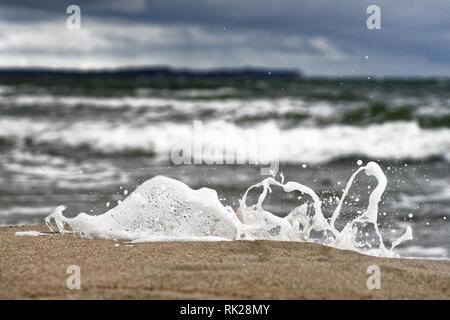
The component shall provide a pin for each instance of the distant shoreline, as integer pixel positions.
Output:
(172, 72)
(35, 268)
(158, 71)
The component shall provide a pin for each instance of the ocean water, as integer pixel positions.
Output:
(86, 142)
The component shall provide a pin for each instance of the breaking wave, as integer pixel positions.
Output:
(191, 104)
(393, 140)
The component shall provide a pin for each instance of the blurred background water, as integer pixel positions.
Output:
(83, 141)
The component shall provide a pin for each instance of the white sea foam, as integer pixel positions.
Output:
(160, 207)
(180, 239)
(164, 209)
(22, 210)
(259, 108)
(431, 252)
(393, 140)
(192, 92)
(252, 106)
(31, 234)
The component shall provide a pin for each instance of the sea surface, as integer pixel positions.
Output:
(87, 141)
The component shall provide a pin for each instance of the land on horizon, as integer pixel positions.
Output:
(155, 71)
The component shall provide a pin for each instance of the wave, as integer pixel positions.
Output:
(394, 140)
(25, 211)
(288, 111)
(189, 93)
(421, 252)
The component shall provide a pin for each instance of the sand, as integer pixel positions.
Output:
(35, 268)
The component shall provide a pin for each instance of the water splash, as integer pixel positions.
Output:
(160, 208)
(164, 209)
(302, 223)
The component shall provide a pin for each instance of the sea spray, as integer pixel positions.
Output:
(165, 209)
(304, 223)
(160, 208)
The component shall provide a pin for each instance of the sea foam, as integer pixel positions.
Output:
(390, 140)
(165, 209)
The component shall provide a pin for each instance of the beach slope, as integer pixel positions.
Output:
(35, 268)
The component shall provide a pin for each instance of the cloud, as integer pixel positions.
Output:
(324, 47)
(321, 38)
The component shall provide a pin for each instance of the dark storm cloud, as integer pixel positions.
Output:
(321, 37)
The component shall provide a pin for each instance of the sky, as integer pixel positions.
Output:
(318, 37)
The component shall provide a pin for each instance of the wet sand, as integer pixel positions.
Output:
(35, 268)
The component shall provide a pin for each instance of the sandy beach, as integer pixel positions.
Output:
(35, 268)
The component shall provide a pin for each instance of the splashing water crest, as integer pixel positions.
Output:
(165, 209)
